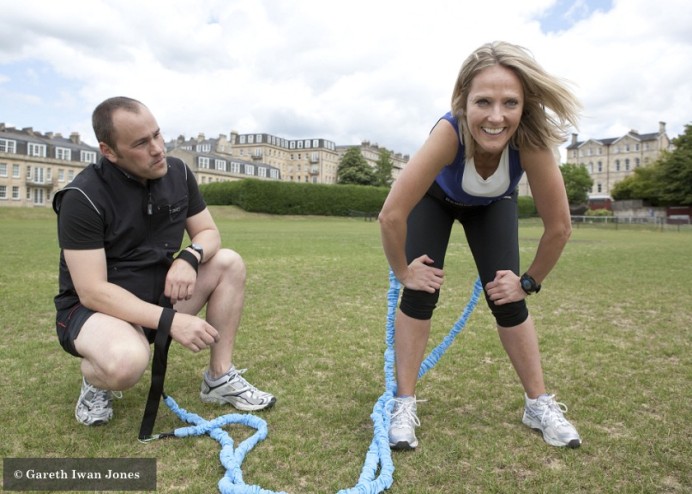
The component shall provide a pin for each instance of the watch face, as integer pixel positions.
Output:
(526, 284)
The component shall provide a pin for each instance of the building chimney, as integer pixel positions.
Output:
(200, 137)
(574, 138)
(661, 127)
(74, 138)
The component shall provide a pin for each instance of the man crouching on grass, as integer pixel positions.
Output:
(121, 221)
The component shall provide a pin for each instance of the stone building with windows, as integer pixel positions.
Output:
(299, 160)
(34, 166)
(212, 160)
(610, 160)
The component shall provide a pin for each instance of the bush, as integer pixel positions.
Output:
(527, 208)
(272, 197)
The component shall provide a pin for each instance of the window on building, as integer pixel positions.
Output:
(3, 191)
(8, 146)
(15, 171)
(87, 156)
(203, 148)
(599, 188)
(3, 169)
(63, 154)
(203, 163)
(39, 175)
(70, 175)
(235, 167)
(262, 172)
(15, 193)
(61, 175)
(636, 162)
(249, 169)
(627, 164)
(315, 143)
(38, 196)
(220, 165)
(600, 167)
(274, 173)
(617, 165)
(38, 150)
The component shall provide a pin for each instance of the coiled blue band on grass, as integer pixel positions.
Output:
(378, 459)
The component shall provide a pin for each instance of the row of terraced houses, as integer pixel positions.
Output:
(34, 165)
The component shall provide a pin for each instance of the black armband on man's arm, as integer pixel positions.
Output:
(190, 258)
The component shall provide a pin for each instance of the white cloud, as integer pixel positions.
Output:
(343, 70)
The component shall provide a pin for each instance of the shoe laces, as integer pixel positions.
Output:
(403, 412)
(101, 397)
(554, 411)
(238, 378)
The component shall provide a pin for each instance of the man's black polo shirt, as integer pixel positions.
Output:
(140, 226)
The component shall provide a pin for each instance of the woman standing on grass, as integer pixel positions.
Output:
(507, 116)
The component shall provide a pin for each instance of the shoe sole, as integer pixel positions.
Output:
(573, 444)
(241, 407)
(403, 446)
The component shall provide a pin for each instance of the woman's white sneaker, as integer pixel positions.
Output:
(403, 423)
(546, 415)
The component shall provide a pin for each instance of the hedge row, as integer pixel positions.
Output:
(272, 197)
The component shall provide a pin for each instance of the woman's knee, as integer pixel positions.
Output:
(509, 315)
(418, 304)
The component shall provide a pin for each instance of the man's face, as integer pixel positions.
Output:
(139, 147)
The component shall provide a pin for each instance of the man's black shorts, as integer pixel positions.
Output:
(69, 322)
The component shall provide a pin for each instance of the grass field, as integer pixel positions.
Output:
(614, 323)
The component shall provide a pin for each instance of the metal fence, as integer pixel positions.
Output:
(617, 222)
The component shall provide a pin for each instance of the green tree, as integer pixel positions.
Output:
(354, 169)
(668, 181)
(578, 183)
(675, 173)
(643, 184)
(383, 168)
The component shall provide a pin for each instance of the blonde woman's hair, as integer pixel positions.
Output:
(550, 108)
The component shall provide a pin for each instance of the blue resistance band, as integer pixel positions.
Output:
(378, 459)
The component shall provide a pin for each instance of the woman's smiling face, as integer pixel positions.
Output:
(493, 108)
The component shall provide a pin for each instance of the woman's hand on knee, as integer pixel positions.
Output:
(421, 275)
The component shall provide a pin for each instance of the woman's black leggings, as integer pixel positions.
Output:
(492, 235)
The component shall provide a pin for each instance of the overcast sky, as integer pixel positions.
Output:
(348, 71)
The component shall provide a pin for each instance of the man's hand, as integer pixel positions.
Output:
(505, 288)
(421, 276)
(180, 281)
(193, 332)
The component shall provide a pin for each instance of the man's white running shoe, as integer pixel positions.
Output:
(95, 405)
(546, 415)
(235, 390)
(402, 428)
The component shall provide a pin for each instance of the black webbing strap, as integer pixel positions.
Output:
(158, 372)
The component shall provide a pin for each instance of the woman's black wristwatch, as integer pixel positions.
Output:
(528, 284)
